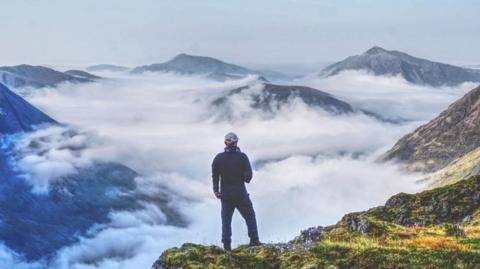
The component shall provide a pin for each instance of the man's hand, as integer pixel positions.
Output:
(217, 194)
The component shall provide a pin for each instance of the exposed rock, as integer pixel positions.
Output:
(357, 224)
(310, 235)
(448, 204)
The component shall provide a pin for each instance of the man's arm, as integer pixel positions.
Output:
(247, 174)
(215, 176)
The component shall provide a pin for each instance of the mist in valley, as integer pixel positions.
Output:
(310, 166)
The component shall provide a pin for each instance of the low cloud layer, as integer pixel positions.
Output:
(391, 97)
(310, 167)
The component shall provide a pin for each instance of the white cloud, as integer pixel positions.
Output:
(391, 97)
(310, 167)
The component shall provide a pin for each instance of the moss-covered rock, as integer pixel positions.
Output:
(448, 204)
(323, 254)
(437, 228)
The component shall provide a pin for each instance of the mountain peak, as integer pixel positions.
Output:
(191, 64)
(375, 50)
(381, 62)
(183, 56)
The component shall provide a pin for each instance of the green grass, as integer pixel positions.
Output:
(387, 240)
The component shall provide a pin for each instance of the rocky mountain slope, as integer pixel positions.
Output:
(451, 135)
(438, 228)
(200, 65)
(21, 76)
(379, 61)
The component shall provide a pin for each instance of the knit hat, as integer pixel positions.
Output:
(231, 138)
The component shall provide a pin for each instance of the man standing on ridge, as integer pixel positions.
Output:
(231, 169)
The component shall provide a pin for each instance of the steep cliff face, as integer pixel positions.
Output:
(438, 228)
(451, 135)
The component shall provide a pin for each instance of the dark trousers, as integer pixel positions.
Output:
(245, 207)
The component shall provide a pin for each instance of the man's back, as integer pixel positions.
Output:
(231, 169)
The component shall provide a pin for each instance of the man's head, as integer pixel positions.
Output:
(231, 139)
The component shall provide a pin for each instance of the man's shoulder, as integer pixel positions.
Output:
(223, 154)
(219, 155)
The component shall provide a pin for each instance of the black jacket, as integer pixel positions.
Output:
(231, 169)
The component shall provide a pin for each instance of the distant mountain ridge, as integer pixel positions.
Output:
(107, 67)
(81, 74)
(379, 61)
(202, 65)
(24, 75)
(271, 97)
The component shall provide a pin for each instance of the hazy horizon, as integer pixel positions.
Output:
(269, 33)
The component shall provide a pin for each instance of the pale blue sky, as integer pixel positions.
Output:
(244, 31)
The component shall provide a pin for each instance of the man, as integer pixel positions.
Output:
(231, 169)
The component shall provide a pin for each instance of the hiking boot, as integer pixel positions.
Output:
(255, 243)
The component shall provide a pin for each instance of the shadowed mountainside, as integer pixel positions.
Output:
(36, 225)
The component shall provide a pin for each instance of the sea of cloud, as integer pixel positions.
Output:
(310, 167)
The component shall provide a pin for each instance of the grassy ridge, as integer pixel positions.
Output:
(438, 228)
